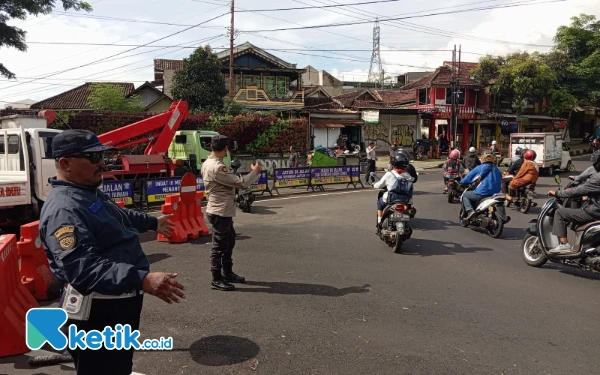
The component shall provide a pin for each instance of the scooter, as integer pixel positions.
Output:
(524, 198)
(489, 214)
(539, 240)
(395, 229)
(243, 197)
(454, 187)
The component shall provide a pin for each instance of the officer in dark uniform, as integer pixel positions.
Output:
(93, 248)
(220, 186)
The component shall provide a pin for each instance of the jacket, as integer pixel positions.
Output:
(515, 166)
(91, 243)
(471, 161)
(410, 169)
(527, 174)
(458, 168)
(591, 189)
(490, 185)
(220, 185)
(585, 174)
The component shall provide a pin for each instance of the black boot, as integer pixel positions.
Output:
(231, 277)
(220, 284)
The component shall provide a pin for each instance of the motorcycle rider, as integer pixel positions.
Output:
(590, 211)
(398, 182)
(410, 169)
(584, 175)
(472, 160)
(515, 165)
(527, 174)
(494, 147)
(488, 185)
(452, 166)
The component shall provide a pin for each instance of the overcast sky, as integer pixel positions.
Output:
(58, 68)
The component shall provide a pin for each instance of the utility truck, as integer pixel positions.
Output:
(552, 153)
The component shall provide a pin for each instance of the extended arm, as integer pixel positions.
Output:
(232, 180)
(143, 222)
(590, 187)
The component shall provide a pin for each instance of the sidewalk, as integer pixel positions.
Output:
(419, 165)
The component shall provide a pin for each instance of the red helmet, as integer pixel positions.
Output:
(454, 154)
(528, 155)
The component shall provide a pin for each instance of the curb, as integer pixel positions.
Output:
(579, 152)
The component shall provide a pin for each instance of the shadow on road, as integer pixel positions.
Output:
(431, 224)
(302, 289)
(425, 248)
(572, 271)
(513, 233)
(260, 210)
(155, 258)
(221, 350)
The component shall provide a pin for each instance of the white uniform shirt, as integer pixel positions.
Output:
(371, 153)
(389, 179)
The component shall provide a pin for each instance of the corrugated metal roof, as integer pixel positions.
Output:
(77, 98)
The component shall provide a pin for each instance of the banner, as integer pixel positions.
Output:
(331, 175)
(157, 189)
(355, 170)
(288, 177)
(121, 190)
(261, 184)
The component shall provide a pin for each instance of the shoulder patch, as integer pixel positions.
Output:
(66, 237)
(225, 170)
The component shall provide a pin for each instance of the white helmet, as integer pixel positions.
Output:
(493, 142)
(472, 150)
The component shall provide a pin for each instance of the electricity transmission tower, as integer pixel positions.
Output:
(376, 70)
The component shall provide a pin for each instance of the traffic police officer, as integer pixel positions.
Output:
(220, 185)
(93, 248)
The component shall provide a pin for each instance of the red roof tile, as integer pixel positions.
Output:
(77, 98)
(161, 64)
(399, 96)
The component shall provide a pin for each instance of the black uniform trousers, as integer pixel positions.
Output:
(223, 240)
(371, 167)
(103, 313)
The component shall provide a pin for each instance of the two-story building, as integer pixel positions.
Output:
(261, 80)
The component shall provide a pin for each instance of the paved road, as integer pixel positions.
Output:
(327, 297)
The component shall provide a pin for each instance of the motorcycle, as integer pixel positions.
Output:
(539, 240)
(454, 187)
(489, 214)
(395, 229)
(499, 159)
(524, 197)
(243, 197)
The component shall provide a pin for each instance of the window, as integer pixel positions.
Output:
(283, 86)
(424, 96)
(46, 144)
(270, 87)
(13, 144)
(251, 81)
(460, 97)
(205, 141)
(11, 159)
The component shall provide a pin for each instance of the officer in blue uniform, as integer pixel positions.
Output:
(93, 248)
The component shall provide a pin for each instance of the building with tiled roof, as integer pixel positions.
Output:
(77, 98)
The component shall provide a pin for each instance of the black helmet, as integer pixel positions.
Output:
(400, 160)
(236, 164)
(596, 160)
(519, 151)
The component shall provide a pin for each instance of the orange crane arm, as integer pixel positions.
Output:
(163, 127)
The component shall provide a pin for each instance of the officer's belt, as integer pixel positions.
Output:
(96, 295)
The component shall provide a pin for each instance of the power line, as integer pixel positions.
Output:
(513, 5)
(120, 53)
(109, 18)
(318, 7)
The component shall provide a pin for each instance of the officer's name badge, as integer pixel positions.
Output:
(66, 237)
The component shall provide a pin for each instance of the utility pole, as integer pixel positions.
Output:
(457, 93)
(453, 92)
(231, 29)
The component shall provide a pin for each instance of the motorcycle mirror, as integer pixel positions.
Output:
(557, 179)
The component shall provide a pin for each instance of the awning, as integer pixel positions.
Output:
(326, 125)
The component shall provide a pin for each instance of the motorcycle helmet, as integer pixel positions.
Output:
(493, 143)
(488, 158)
(519, 151)
(400, 161)
(472, 150)
(596, 160)
(454, 154)
(236, 164)
(528, 155)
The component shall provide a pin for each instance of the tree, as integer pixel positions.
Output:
(14, 37)
(487, 70)
(200, 82)
(107, 97)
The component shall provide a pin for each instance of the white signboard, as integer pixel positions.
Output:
(370, 116)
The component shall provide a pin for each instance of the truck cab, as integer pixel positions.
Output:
(193, 146)
(26, 164)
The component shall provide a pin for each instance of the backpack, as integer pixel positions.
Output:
(402, 187)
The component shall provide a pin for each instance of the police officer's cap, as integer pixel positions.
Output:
(219, 142)
(75, 141)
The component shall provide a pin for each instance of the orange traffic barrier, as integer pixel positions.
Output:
(15, 300)
(120, 203)
(35, 271)
(188, 220)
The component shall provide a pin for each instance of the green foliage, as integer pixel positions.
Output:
(200, 82)
(231, 107)
(561, 100)
(14, 37)
(263, 139)
(487, 70)
(107, 97)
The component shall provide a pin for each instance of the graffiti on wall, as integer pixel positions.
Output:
(404, 135)
(270, 164)
(378, 132)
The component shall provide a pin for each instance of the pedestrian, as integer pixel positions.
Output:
(93, 248)
(293, 158)
(220, 186)
(371, 162)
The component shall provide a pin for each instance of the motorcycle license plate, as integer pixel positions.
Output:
(400, 217)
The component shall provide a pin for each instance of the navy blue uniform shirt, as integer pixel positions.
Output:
(91, 243)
